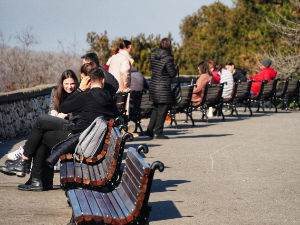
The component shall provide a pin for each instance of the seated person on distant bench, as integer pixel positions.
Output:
(90, 104)
(237, 73)
(205, 78)
(138, 83)
(266, 73)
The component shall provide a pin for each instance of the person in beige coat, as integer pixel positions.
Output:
(120, 65)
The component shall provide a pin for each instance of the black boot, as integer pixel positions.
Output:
(28, 164)
(36, 185)
(17, 168)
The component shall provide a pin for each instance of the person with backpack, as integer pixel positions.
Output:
(90, 105)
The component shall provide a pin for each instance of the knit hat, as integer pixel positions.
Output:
(267, 63)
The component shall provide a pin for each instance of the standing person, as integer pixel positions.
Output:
(265, 73)
(163, 70)
(206, 77)
(120, 65)
(111, 84)
(237, 73)
(216, 76)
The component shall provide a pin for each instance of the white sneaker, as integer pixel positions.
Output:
(16, 154)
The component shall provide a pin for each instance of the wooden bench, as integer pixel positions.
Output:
(293, 92)
(269, 94)
(185, 106)
(243, 95)
(142, 108)
(128, 203)
(212, 97)
(257, 97)
(281, 94)
(100, 171)
(230, 101)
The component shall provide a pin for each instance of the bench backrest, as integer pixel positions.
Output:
(146, 105)
(135, 107)
(261, 89)
(293, 88)
(121, 101)
(186, 96)
(283, 89)
(212, 94)
(270, 89)
(243, 91)
(133, 185)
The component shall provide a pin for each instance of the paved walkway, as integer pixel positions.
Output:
(238, 171)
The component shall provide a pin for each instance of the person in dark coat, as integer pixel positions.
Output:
(237, 73)
(163, 70)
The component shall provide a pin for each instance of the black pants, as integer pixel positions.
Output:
(47, 131)
(158, 118)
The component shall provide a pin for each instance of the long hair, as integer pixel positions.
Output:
(212, 65)
(61, 94)
(122, 45)
(219, 67)
(204, 68)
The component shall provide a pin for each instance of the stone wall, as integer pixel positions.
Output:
(19, 109)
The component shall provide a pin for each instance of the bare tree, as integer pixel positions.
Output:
(286, 64)
(21, 67)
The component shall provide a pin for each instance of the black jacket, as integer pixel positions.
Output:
(90, 104)
(163, 70)
(239, 74)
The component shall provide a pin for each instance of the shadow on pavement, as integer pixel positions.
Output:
(162, 185)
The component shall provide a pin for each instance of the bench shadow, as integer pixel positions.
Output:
(162, 185)
(164, 210)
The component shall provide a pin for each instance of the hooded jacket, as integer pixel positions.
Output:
(239, 74)
(267, 73)
(90, 104)
(163, 70)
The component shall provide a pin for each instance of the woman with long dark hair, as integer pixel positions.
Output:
(163, 70)
(206, 77)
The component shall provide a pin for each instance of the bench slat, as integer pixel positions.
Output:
(84, 205)
(107, 218)
(85, 174)
(128, 216)
(111, 208)
(133, 187)
(63, 173)
(117, 208)
(77, 213)
(92, 175)
(139, 162)
(70, 172)
(97, 215)
(126, 200)
(78, 172)
(97, 175)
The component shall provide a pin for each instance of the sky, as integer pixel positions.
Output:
(69, 21)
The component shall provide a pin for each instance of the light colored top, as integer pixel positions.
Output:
(226, 76)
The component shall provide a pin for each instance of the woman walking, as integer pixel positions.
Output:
(163, 70)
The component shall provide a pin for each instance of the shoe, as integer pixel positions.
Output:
(18, 168)
(28, 164)
(160, 136)
(148, 133)
(135, 135)
(36, 185)
(16, 154)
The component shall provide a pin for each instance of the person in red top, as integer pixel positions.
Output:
(216, 76)
(265, 73)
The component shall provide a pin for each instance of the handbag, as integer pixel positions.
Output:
(176, 92)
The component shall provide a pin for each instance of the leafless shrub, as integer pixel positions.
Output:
(286, 64)
(21, 67)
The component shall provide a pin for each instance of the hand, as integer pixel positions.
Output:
(53, 113)
(248, 76)
(85, 83)
(62, 115)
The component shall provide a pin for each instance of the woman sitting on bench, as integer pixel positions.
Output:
(206, 77)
